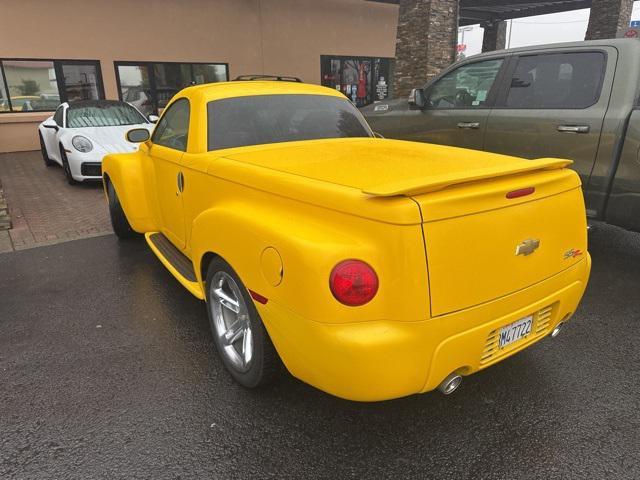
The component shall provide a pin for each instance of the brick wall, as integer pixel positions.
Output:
(425, 42)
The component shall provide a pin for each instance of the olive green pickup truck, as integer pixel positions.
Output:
(574, 100)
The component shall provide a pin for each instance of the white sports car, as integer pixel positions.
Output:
(80, 134)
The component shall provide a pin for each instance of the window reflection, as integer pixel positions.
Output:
(81, 82)
(32, 85)
(209, 73)
(150, 86)
(4, 102)
(135, 87)
(363, 80)
(559, 80)
(170, 78)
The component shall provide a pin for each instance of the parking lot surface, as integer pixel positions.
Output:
(44, 208)
(108, 370)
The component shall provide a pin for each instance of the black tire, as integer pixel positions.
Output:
(265, 365)
(66, 167)
(119, 221)
(45, 156)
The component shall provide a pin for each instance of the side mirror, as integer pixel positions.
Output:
(50, 123)
(417, 99)
(154, 118)
(138, 135)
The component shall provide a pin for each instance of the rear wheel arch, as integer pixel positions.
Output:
(207, 245)
(264, 365)
(210, 256)
(205, 261)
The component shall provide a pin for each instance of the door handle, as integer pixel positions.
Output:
(180, 183)
(573, 128)
(469, 125)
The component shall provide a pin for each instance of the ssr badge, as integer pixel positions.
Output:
(572, 253)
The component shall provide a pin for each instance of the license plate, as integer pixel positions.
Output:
(515, 331)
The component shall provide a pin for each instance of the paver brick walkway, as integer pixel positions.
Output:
(44, 208)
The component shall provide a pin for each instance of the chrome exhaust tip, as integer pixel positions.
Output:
(556, 331)
(450, 384)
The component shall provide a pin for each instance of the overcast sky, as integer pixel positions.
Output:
(554, 28)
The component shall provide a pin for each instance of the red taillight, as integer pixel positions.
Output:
(353, 282)
(523, 192)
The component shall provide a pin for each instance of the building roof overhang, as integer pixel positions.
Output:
(490, 11)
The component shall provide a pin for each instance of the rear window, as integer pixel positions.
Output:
(262, 119)
(560, 80)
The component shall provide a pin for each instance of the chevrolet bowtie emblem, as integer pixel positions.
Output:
(527, 247)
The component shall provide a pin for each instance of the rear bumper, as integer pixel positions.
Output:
(384, 359)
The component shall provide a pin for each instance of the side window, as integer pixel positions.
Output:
(558, 80)
(173, 128)
(57, 117)
(465, 87)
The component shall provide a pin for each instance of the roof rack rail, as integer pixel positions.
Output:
(279, 78)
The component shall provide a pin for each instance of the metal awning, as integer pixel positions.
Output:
(489, 11)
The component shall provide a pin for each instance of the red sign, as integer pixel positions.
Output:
(631, 34)
(461, 47)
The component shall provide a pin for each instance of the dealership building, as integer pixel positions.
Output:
(145, 52)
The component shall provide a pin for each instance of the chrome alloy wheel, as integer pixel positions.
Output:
(231, 321)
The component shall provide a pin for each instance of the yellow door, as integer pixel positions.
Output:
(169, 190)
(168, 144)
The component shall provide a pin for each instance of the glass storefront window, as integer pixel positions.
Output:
(32, 85)
(363, 80)
(170, 78)
(203, 73)
(81, 81)
(135, 87)
(4, 98)
(150, 86)
(41, 85)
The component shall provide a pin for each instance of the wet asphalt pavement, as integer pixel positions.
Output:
(107, 370)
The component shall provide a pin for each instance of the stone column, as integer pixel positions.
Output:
(425, 42)
(607, 17)
(495, 36)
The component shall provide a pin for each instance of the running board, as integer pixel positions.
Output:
(176, 262)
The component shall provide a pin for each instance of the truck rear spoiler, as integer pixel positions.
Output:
(426, 184)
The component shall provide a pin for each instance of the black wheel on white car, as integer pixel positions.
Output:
(238, 332)
(66, 167)
(45, 156)
(119, 221)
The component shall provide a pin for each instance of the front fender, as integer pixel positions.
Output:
(129, 173)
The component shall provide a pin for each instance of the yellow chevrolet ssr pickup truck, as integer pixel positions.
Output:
(371, 268)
